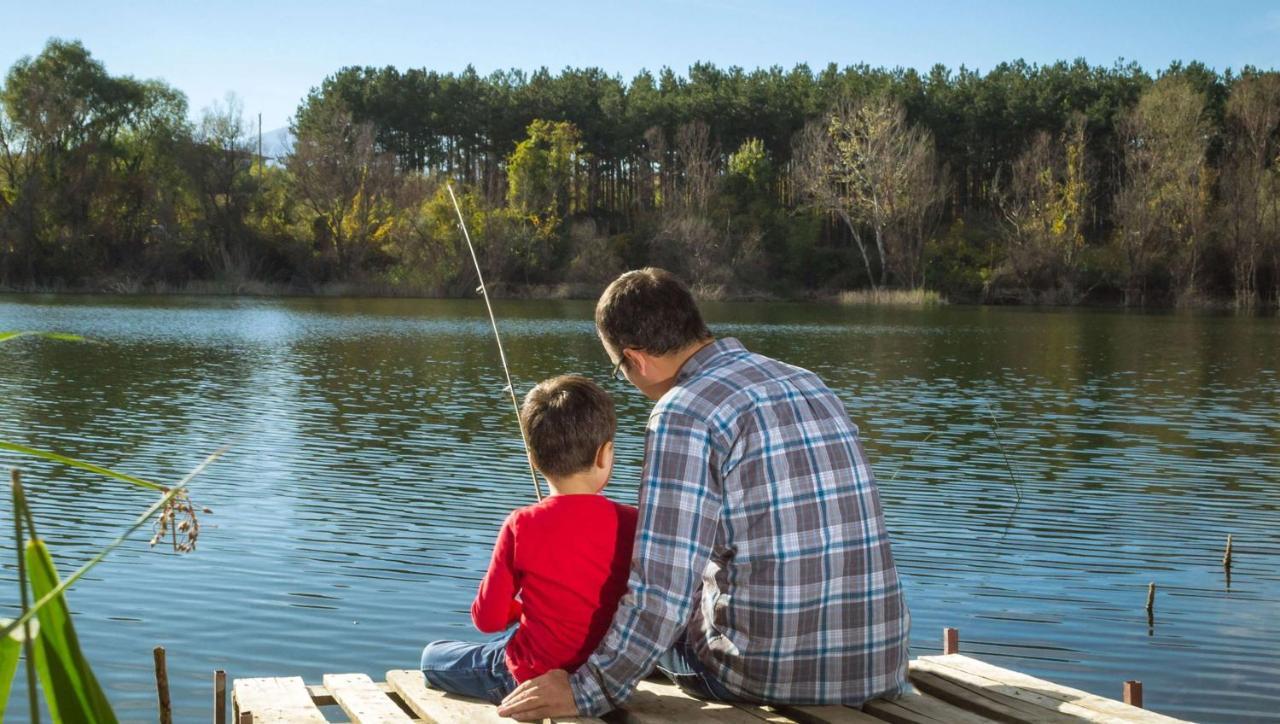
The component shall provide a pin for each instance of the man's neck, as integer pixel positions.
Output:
(668, 366)
(675, 361)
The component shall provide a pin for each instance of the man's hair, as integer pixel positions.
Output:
(566, 419)
(651, 310)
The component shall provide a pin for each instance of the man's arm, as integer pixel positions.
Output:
(496, 607)
(678, 520)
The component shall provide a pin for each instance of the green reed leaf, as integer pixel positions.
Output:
(72, 462)
(10, 652)
(70, 689)
(141, 520)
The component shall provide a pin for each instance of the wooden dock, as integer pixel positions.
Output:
(950, 688)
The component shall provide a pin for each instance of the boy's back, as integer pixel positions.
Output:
(568, 557)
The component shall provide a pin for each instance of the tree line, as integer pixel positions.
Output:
(1062, 183)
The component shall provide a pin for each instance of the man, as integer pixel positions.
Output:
(761, 569)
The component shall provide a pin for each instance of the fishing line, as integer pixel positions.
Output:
(484, 291)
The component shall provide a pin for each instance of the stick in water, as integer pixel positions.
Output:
(484, 291)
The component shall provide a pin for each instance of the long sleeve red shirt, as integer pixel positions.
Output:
(567, 558)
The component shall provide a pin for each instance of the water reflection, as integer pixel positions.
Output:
(374, 455)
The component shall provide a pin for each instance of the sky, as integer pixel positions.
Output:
(270, 54)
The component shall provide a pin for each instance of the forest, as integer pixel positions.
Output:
(1066, 183)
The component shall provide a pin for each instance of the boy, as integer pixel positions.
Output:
(566, 557)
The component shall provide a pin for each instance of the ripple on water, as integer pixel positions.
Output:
(1038, 470)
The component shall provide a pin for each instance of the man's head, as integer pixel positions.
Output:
(650, 325)
(649, 310)
(569, 424)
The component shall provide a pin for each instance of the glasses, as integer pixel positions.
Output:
(617, 373)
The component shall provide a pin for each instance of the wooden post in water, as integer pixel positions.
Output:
(162, 686)
(1226, 557)
(1133, 693)
(1151, 600)
(950, 641)
(219, 697)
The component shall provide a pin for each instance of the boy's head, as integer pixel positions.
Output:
(568, 420)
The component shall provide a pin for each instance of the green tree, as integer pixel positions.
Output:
(1046, 207)
(220, 163)
(1161, 204)
(866, 163)
(540, 173)
(76, 144)
(1250, 181)
(348, 184)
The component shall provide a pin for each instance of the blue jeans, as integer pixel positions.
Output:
(681, 665)
(468, 669)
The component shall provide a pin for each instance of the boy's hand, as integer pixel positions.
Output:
(545, 696)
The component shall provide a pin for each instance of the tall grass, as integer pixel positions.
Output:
(891, 298)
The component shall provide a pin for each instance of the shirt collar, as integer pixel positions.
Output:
(703, 358)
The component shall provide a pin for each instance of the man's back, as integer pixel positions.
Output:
(800, 600)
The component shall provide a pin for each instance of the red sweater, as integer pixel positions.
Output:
(567, 557)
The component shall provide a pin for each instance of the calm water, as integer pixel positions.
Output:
(373, 458)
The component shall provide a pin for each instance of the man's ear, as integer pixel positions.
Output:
(636, 361)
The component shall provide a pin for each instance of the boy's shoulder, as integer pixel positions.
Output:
(627, 512)
(573, 506)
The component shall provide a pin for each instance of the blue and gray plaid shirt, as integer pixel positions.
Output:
(760, 530)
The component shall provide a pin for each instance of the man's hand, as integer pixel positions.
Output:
(546, 696)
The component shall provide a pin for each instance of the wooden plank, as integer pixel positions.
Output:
(433, 705)
(321, 696)
(825, 714)
(1049, 705)
(985, 700)
(363, 701)
(918, 708)
(1027, 684)
(273, 700)
(661, 702)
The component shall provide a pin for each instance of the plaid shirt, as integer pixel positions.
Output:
(760, 531)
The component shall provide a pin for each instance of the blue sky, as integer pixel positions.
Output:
(271, 53)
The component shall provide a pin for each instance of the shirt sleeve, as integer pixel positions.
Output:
(496, 605)
(679, 516)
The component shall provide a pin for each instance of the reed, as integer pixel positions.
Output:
(61, 336)
(891, 298)
(45, 629)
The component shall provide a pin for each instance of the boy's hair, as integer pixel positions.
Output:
(566, 419)
(651, 310)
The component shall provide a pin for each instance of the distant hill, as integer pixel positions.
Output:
(275, 144)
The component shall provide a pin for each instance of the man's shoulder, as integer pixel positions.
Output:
(733, 383)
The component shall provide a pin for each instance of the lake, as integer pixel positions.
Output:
(1038, 469)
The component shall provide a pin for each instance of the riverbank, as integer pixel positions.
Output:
(500, 290)
(919, 298)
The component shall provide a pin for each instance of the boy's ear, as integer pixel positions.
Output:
(604, 455)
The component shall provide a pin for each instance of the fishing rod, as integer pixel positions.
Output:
(484, 291)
